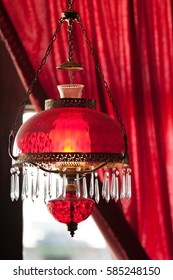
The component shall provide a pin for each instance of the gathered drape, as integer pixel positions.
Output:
(133, 41)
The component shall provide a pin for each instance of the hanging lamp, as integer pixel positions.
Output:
(61, 150)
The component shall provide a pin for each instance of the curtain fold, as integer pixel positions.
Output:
(134, 44)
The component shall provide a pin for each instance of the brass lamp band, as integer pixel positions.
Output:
(72, 162)
(74, 157)
(70, 103)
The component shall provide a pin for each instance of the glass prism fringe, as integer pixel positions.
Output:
(116, 184)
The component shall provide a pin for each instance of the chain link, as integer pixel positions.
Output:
(115, 108)
(43, 61)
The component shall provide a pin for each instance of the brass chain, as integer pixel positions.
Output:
(43, 61)
(70, 47)
(70, 40)
(115, 108)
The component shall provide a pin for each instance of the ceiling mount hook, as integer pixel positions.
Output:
(70, 3)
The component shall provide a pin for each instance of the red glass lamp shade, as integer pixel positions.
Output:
(69, 130)
(57, 135)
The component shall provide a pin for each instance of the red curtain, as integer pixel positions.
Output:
(133, 42)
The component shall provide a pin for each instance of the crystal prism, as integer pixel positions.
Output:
(12, 187)
(116, 186)
(97, 194)
(123, 186)
(57, 188)
(104, 184)
(84, 183)
(113, 186)
(16, 185)
(77, 186)
(26, 185)
(23, 195)
(64, 185)
(33, 193)
(128, 184)
(50, 185)
(45, 188)
(91, 191)
(37, 188)
(107, 195)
